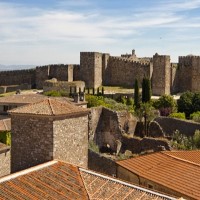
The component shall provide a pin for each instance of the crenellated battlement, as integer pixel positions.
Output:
(98, 68)
(141, 63)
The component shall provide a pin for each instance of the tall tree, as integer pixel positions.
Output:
(136, 94)
(146, 90)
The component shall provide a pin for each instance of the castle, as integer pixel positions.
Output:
(98, 69)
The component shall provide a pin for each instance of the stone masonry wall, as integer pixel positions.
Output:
(32, 141)
(55, 85)
(5, 163)
(161, 77)
(195, 74)
(170, 125)
(71, 140)
(94, 121)
(123, 72)
(61, 72)
(107, 126)
(17, 77)
(185, 73)
(99, 163)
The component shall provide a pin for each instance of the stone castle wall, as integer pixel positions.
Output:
(98, 69)
(123, 72)
(17, 77)
(185, 73)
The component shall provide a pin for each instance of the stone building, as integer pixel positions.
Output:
(47, 130)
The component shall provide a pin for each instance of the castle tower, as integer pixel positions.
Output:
(91, 69)
(105, 73)
(48, 130)
(161, 77)
(195, 74)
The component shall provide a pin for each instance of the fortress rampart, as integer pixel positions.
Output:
(98, 69)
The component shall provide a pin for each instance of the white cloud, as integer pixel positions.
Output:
(24, 29)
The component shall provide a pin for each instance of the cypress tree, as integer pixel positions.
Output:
(102, 91)
(143, 90)
(136, 94)
(146, 90)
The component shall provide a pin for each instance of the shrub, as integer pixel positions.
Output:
(5, 137)
(94, 101)
(178, 115)
(54, 93)
(195, 116)
(196, 139)
(185, 103)
(166, 105)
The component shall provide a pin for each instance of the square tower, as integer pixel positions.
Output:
(161, 77)
(48, 130)
(91, 69)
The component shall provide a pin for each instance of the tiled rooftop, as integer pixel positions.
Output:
(21, 99)
(59, 180)
(168, 170)
(192, 156)
(50, 107)
(5, 124)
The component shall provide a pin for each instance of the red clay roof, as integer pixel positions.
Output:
(5, 124)
(192, 156)
(178, 174)
(59, 180)
(50, 107)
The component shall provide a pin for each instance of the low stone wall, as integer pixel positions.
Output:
(138, 145)
(55, 85)
(170, 125)
(5, 162)
(100, 163)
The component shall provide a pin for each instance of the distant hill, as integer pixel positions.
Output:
(15, 67)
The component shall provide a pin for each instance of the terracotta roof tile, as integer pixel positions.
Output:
(164, 168)
(59, 180)
(50, 107)
(21, 99)
(192, 156)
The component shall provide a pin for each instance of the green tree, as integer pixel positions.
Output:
(166, 105)
(196, 139)
(146, 90)
(196, 102)
(185, 103)
(136, 94)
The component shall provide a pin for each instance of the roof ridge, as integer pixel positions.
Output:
(4, 123)
(51, 107)
(181, 159)
(124, 183)
(26, 171)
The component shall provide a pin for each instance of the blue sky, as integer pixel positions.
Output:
(42, 32)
